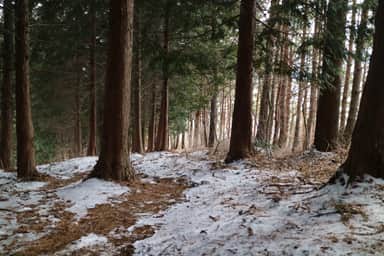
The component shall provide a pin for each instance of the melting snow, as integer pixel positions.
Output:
(236, 211)
(86, 195)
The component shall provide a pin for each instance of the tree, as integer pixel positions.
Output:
(366, 155)
(265, 112)
(91, 151)
(162, 131)
(327, 123)
(114, 161)
(24, 128)
(358, 71)
(6, 90)
(241, 135)
(137, 137)
(346, 90)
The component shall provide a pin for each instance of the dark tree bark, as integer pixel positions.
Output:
(327, 123)
(77, 130)
(114, 160)
(137, 136)
(91, 151)
(241, 136)
(26, 168)
(151, 125)
(213, 120)
(366, 155)
(162, 133)
(357, 73)
(6, 90)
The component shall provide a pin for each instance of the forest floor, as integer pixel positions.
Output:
(193, 204)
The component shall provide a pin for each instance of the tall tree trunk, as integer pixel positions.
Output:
(327, 124)
(91, 151)
(284, 90)
(151, 126)
(300, 98)
(266, 113)
(24, 127)
(137, 136)
(366, 155)
(241, 136)
(213, 120)
(162, 134)
(6, 90)
(222, 116)
(114, 162)
(346, 90)
(77, 130)
(314, 90)
(357, 73)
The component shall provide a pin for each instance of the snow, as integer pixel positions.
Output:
(67, 169)
(86, 242)
(17, 197)
(86, 195)
(236, 211)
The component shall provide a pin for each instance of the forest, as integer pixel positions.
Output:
(192, 127)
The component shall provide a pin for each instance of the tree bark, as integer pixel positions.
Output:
(162, 134)
(26, 168)
(357, 73)
(6, 90)
(366, 155)
(343, 115)
(114, 162)
(91, 151)
(300, 98)
(151, 126)
(137, 136)
(266, 112)
(213, 120)
(77, 130)
(327, 124)
(241, 136)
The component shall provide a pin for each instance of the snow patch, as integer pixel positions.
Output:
(86, 195)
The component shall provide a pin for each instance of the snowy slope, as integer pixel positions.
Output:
(236, 211)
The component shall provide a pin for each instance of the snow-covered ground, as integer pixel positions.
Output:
(37, 202)
(242, 211)
(235, 209)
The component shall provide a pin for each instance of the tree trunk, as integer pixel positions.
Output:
(6, 90)
(137, 136)
(314, 90)
(77, 130)
(24, 127)
(91, 151)
(366, 155)
(300, 98)
(196, 141)
(357, 73)
(346, 90)
(162, 134)
(241, 136)
(114, 162)
(327, 124)
(213, 120)
(266, 113)
(283, 107)
(151, 126)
